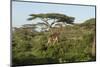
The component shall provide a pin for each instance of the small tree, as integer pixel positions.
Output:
(49, 19)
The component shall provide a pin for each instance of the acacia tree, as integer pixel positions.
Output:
(49, 19)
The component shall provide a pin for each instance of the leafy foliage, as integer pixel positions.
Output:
(49, 19)
(75, 44)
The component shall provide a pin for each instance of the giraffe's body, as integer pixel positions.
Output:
(53, 38)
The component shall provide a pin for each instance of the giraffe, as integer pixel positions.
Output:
(54, 37)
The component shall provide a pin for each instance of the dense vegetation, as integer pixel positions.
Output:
(75, 44)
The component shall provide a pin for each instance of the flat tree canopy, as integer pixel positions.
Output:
(56, 16)
(49, 19)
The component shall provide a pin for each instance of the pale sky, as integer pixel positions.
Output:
(22, 10)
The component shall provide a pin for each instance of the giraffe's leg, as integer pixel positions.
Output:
(49, 41)
(55, 40)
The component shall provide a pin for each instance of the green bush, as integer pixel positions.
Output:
(75, 44)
